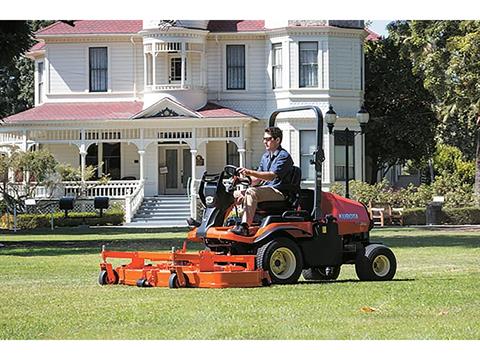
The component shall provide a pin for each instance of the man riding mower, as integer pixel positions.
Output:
(307, 232)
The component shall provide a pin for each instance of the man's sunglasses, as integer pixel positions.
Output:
(267, 138)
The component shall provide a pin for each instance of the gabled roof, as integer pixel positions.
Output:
(117, 111)
(133, 26)
(92, 27)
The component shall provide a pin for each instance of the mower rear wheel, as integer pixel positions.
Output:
(282, 259)
(322, 273)
(375, 263)
(103, 278)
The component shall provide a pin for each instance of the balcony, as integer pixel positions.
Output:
(175, 68)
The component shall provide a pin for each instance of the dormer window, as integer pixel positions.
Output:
(98, 69)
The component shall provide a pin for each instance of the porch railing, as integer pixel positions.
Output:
(112, 189)
(133, 201)
(115, 189)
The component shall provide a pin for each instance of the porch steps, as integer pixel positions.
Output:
(162, 211)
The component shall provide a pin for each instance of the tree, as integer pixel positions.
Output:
(32, 169)
(17, 71)
(446, 54)
(402, 124)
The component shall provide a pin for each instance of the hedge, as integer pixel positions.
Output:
(33, 221)
(449, 216)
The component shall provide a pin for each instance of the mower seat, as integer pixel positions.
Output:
(292, 196)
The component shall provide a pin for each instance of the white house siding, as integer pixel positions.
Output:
(121, 63)
(214, 74)
(64, 154)
(250, 101)
(67, 68)
(216, 156)
(345, 63)
(130, 160)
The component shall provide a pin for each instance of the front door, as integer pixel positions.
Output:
(174, 169)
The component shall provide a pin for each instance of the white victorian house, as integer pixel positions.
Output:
(160, 102)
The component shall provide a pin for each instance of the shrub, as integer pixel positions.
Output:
(415, 216)
(34, 221)
(461, 216)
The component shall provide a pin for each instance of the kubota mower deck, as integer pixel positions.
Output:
(203, 269)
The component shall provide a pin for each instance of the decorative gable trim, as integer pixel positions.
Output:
(166, 107)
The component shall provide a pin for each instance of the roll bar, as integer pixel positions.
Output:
(318, 154)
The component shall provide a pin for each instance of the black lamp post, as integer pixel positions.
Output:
(362, 117)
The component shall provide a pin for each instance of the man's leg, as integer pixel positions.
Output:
(255, 195)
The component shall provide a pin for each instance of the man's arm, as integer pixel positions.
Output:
(261, 175)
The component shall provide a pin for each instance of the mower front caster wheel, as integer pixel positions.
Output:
(375, 263)
(174, 282)
(104, 280)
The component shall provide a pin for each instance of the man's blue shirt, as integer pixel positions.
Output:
(281, 164)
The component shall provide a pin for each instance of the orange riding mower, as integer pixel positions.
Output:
(310, 233)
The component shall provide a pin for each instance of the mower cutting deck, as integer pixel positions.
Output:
(311, 232)
(204, 269)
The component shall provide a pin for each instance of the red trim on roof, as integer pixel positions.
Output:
(93, 27)
(236, 25)
(78, 111)
(212, 110)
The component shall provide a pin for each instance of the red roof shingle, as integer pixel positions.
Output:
(78, 111)
(236, 25)
(93, 27)
(212, 110)
(103, 111)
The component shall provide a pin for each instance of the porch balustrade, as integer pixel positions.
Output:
(115, 189)
(133, 201)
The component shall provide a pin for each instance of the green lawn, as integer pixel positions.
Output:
(48, 290)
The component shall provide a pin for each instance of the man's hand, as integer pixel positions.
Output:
(245, 172)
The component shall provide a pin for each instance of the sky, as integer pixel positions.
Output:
(378, 26)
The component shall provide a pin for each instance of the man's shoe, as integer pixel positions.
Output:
(241, 229)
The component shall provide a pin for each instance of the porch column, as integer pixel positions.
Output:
(83, 157)
(141, 153)
(193, 191)
(242, 152)
(154, 60)
(182, 81)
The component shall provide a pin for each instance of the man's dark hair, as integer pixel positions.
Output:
(274, 132)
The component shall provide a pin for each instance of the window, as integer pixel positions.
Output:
(308, 61)
(176, 69)
(277, 66)
(233, 157)
(340, 159)
(307, 147)
(235, 67)
(40, 81)
(98, 69)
